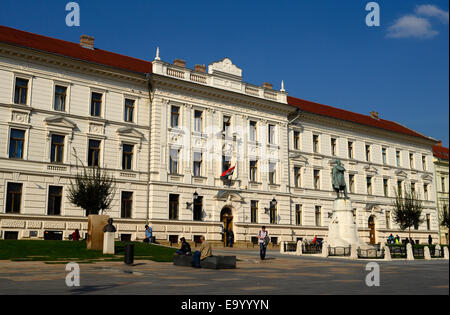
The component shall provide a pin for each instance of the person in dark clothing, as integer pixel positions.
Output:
(76, 236)
(185, 248)
(430, 240)
(230, 235)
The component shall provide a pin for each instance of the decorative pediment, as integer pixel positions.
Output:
(224, 66)
(129, 132)
(370, 169)
(226, 195)
(401, 173)
(299, 158)
(59, 121)
(427, 178)
(374, 208)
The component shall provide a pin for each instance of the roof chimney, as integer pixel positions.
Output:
(179, 63)
(87, 41)
(200, 68)
(374, 115)
(267, 85)
(439, 143)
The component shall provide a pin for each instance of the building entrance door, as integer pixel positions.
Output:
(226, 217)
(372, 230)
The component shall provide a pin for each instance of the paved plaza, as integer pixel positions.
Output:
(277, 275)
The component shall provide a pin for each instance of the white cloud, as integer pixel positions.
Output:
(411, 26)
(430, 10)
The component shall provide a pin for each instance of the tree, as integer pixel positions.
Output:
(445, 219)
(407, 210)
(92, 190)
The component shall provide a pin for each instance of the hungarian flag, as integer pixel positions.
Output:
(228, 172)
(315, 240)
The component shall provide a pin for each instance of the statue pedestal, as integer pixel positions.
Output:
(343, 231)
(108, 243)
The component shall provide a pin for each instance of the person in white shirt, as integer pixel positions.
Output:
(262, 243)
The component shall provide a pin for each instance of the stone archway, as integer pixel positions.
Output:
(226, 217)
(371, 226)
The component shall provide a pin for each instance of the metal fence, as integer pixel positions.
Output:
(436, 253)
(372, 253)
(339, 251)
(311, 249)
(418, 252)
(398, 251)
(290, 247)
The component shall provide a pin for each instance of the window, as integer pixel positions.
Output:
(198, 159)
(60, 98)
(271, 134)
(397, 158)
(198, 208)
(425, 191)
(388, 219)
(57, 149)
(272, 173)
(318, 215)
(296, 140)
(127, 156)
(16, 144)
(443, 184)
(198, 121)
(21, 91)
(226, 163)
(94, 153)
(254, 211)
(298, 214)
(386, 187)
(369, 185)
(173, 206)
(252, 130)
(411, 160)
(333, 147)
(226, 124)
(350, 150)
(96, 104)
(54, 200)
(129, 110)
(315, 143)
(368, 148)
(316, 179)
(273, 214)
(127, 204)
(253, 171)
(297, 177)
(351, 180)
(13, 198)
(424, 162)
(174, 116)
(399, 187)
(413, 189)
(384, 155)
(428, 222)
(174, 158)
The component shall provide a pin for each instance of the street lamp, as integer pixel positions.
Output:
(189, 204)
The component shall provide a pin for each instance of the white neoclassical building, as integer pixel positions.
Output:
(57, 97)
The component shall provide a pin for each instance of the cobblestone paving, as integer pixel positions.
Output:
(276, 275)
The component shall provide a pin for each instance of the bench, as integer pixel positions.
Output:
(213, 262)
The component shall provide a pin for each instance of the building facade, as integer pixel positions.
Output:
(441, 167)
(169, 135)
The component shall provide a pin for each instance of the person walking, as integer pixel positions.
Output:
(230, 236)
(430, 240)
(263, 237)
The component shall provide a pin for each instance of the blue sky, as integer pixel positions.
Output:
(323, 50)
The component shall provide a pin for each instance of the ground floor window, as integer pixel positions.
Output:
(198, 208)
(298, 214)
(13, 198)
(127, 204)
(273, 214)
(173, 206)
(318, 216)
(254, 211)
(54, 200)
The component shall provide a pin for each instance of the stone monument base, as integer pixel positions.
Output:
(108, 243)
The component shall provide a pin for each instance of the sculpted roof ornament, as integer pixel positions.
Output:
(225, 66)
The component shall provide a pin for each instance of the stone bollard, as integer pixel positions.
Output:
(409, 252)
(387, 253)
(437, 250)
(282, 249)
(426, 253)
(299, 248)
(108, 243)
(353, 252)
(325, 249)
(445, 252)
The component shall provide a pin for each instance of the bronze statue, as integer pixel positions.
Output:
(339, 180)
(109, 227)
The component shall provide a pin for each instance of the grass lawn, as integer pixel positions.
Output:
(65, 251)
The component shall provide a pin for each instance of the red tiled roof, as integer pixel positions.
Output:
(440, 152)
(73, 50)
(333, 112)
